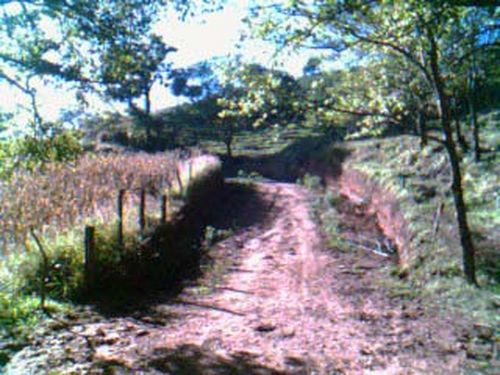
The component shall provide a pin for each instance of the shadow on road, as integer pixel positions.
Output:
(193, 360)
(313, 155)
(231, 212)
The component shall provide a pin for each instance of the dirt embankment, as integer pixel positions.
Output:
(383, 205)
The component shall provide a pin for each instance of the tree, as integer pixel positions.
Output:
(256, 97)
(66, 42)
(263, 96)
(130, 69)
(312, 67)
(422, 34)
(196, 82)
(201, 85)
(58, 39)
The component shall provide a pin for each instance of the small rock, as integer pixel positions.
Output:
(367, 350)
(265, 327)
(288, 332)
(448, 347)
(479, 352)
(72, 316)
(142, 332)
(295, 362)
(57, 325)
(129, 327)
(484, 332)
(100, 332)
(247, 354)
(111, 339)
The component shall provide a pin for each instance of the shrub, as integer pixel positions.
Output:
(311, 182)
(30, 152)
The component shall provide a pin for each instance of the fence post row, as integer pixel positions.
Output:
(164, 209)
(89, 241)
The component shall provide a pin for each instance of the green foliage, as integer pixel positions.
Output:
(21, 276)
(402, 47)
(311, 182)
(129, 71)
(22, 273)
(198, 81)
(30, 152)
(259, 96)
(105, 46)
(324, 207)
(65, 268)
(213, 235)
(19, 301)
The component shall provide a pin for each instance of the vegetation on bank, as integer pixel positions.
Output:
(422, 178)
(420, 181)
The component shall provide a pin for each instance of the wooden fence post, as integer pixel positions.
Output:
(437, 218)
(45, 273)
(90, 256)
(142, 212)
(164, 209)
(402, 181)
(178, 176)
(121, 196)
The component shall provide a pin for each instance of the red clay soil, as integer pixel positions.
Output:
(382, 204)
(285, 304)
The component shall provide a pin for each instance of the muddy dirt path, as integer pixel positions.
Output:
(283, 303)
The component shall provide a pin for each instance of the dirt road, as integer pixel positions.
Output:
(282, 303)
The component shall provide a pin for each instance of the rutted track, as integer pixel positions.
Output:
(286, 304)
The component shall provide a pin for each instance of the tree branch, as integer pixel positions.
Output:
(397, 49)
(362, 113)
(14, 83)
(473, 51)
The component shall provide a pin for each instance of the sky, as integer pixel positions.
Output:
(197, 39)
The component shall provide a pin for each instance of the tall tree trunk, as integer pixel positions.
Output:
(422, 128)
(229, 151)
(474, 125)
(460, 207)
(148, 123)
(147, 103)
(468, 250)
(160, 146)
(458, 131)
(228, 139)
(472, 99)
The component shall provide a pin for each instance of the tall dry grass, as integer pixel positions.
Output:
(57, 196)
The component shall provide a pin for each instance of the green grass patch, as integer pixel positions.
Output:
(261, 142)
